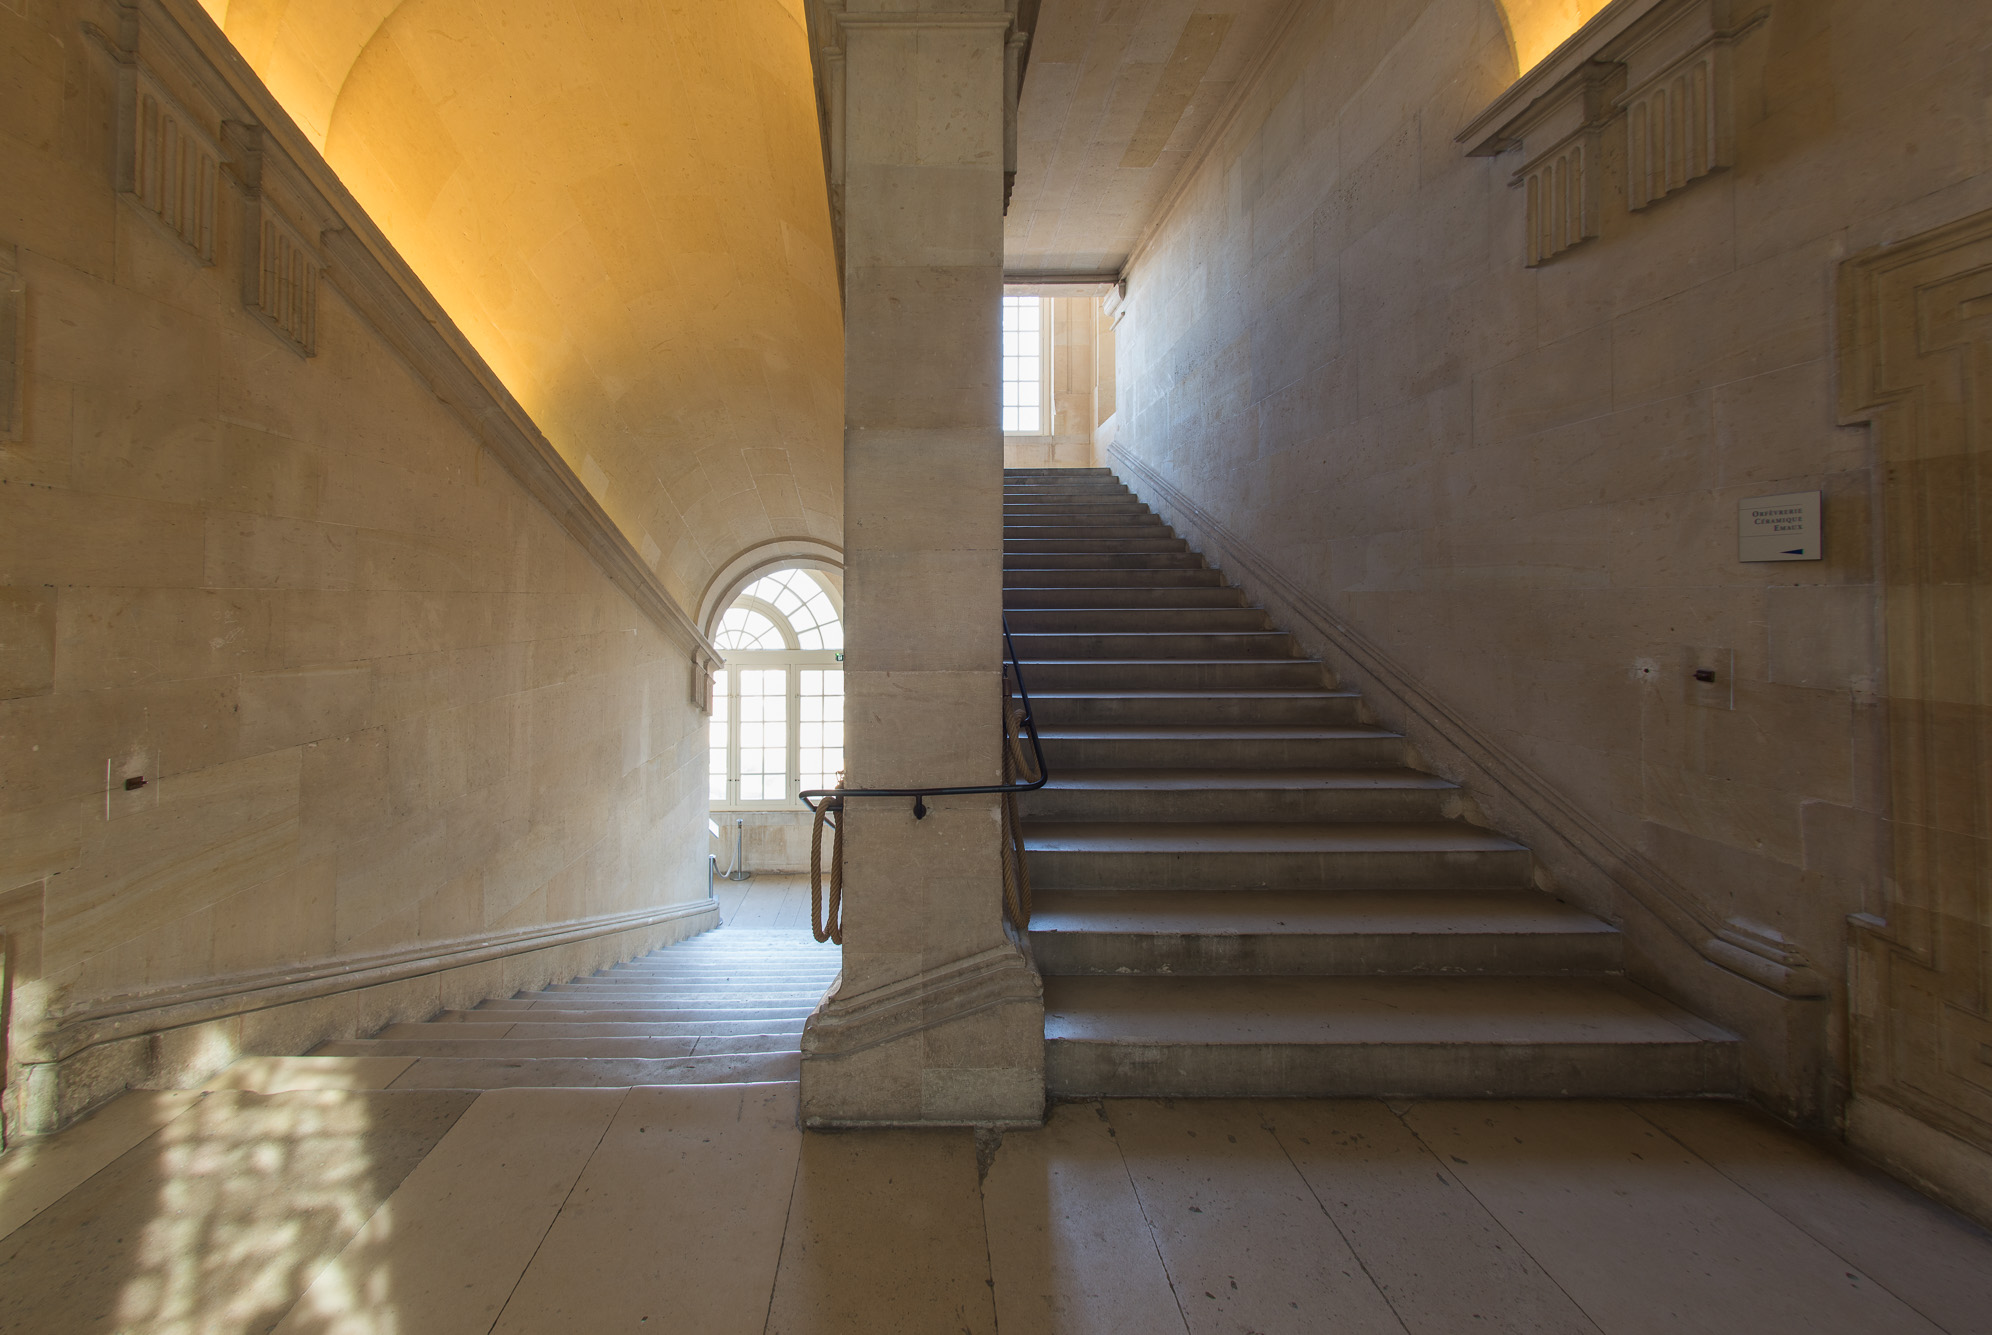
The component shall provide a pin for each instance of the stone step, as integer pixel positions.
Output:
(1062, 513)
(1190, 595)
(1076, 708)
(1354, 933)
(1077, 855)
(1217, 746)
(1383, 793)
(719, 978)
(1019, 534)
(633, 994)
(1419, 1037)
(1155, 644)
(597, 1072)
(1177, 674)
(539, 1046)
(1147, 620)
(1180, 577)
(1156, 560)
(1136, 545)
(494, 1029)
(523, 1013)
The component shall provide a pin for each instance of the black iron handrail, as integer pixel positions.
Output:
(920, 795)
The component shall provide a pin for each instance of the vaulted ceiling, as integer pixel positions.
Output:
(1122, 92)
(622, 206)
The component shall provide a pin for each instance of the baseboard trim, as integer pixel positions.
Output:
(220, 998)
(180, 1043)
(1926, 1157)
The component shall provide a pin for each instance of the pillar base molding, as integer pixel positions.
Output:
(957, 1045)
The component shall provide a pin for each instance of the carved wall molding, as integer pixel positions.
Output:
(69, 1032)
(174, 47)
(166, 162)
(1915, 362)
(1660, 66)
(1748, 950)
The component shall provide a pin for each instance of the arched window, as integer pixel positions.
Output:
(778, 704)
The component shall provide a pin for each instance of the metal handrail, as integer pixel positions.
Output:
(835, 796)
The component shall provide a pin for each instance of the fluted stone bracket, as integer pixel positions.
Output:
(961, 1044)
(196, 125)
(1660, 68)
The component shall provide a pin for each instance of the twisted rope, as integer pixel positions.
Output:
(830, 926)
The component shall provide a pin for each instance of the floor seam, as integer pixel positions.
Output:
(1824, 1245)
(1495, 1219)
(554, 1221)
(1134, 1187)
(788, 1222)
(1322, 1206)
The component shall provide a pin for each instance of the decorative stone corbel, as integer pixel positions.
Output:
(281, 264)
(1662, 65)
(1562, 171)
(166, 162)
(1680, 123)
(704, 665)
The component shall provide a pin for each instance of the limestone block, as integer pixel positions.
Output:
(27, 641)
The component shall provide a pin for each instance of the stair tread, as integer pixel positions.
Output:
(596, 1072)
(1304, 913)
(540, 1047)
(1328, 1010)
(1244, 837)
(1210, 732)
(1194, 780)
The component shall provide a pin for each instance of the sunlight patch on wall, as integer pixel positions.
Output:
(1538, 27)
(623, 209)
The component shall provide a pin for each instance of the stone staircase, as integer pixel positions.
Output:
(721, 1008)
(1244, 887)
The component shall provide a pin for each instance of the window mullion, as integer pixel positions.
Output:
(733, 738)
(794, 729)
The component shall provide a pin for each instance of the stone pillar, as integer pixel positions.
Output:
(938, 1017)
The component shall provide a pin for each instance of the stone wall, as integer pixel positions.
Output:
(1502, 498)
(308, 700)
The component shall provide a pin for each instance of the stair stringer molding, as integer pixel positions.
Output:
(1737, 973)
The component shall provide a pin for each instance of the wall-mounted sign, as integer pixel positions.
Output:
(1779, 528)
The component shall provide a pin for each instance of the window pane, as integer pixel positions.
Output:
(1023, 364)
(744, 628)
(763, 734)
(822, 750)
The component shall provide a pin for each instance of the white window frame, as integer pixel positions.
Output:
(791, 660)
(751, 660)
(1047, 410)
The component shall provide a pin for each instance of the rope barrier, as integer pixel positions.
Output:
(830, 926)
(826, 918)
